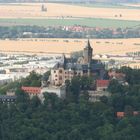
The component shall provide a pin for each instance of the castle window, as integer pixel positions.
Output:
(60, 71)
(60, 77)
(54, 71)
(55, 75)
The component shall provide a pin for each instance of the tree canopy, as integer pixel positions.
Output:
(75, 119)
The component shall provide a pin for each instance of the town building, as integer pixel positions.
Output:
(102, 85)
(119, 76)
(7, 99)
(121, 115)
(10, 97)
(33, 91)
(94, 96)
(39, 91)
(59, 91)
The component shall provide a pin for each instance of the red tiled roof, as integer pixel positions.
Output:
(102, 83)
(31, 90)
(122, 114)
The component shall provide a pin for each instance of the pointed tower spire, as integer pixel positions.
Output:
(87, 53)
(88, 43)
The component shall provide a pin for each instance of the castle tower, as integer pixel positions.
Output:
(87, 53)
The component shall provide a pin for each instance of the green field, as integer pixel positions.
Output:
(91, 22)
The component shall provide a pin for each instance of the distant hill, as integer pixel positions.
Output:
(106, 1)
(118, 1)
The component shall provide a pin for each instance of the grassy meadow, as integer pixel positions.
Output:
(91, 22)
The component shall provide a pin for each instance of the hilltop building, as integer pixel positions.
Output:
(69, 67)
(66, 69)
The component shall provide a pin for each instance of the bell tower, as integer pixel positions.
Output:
(87, 53)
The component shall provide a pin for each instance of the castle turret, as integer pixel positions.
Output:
(87, 53)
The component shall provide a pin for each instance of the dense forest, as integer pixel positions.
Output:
(74, 118)
(58, 32)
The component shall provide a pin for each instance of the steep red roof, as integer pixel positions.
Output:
(102, 83)
(31, 90)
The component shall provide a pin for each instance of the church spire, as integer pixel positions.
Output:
(88, 44)
(87, 53)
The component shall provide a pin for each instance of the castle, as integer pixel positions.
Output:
(66, 70)
(69, 67)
